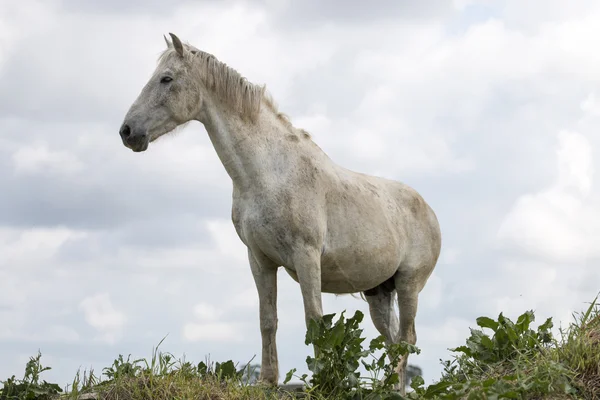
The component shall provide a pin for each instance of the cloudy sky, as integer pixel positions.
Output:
(489, 109)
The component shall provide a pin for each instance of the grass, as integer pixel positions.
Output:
(515, 361)
(500, 359)
(580, 351)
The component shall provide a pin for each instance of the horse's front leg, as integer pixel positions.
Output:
(307, 264)
(265, 277)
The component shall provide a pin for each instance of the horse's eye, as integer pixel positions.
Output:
(166, 79)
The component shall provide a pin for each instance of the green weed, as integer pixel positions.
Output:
(341, 352)
(501, 359)
(30, 387)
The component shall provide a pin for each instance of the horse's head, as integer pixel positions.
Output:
(171, 98)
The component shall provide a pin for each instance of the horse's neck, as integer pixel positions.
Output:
(240, 145)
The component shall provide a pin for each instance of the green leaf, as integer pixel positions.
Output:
(312, 332)
(226, 370)
(477, 395)
(462, 349)
(512, 335)
(524, 321)
(488, 382)
(512, 394)
(486, 322)
(437, 388)
(352, 379)
(337, 335)
(544, 331)
(394, 396)
(392, 379)
(417, 382)
(377, 344)
(487, 342)
(289, 375)
(202, 368)
(327, 319)
(501, 338)
(476, 335)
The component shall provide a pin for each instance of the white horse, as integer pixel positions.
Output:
(332, 229)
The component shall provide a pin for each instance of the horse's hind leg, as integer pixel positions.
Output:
(383, 314)
(408, 299)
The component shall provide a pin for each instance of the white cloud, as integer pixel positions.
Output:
(227, 241)
(212, 324)
(207, 312)
(431, 296)
(14, 318)
(100, 313)
(213, 332)
(18, 19)
(450, 333)
(560, 223)
(246, 298)
(591, 105)
(554, 290)
(38, 158)
(450, 255)
(48, 334)
(554, 232)
(34, 246)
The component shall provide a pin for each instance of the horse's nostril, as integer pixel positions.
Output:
(125, 131)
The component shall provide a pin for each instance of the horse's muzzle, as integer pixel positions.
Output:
(133, 139)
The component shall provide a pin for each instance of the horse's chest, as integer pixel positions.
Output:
(241, 217)
(253, 222)
(273, 230)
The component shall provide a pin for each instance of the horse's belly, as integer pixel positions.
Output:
(342, 275)
(346, 275)
(339, 283)
(360, 257)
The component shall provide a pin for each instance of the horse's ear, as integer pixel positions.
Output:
(169, 44)
(177, 44)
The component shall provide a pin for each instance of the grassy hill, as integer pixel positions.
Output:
(500, 359)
